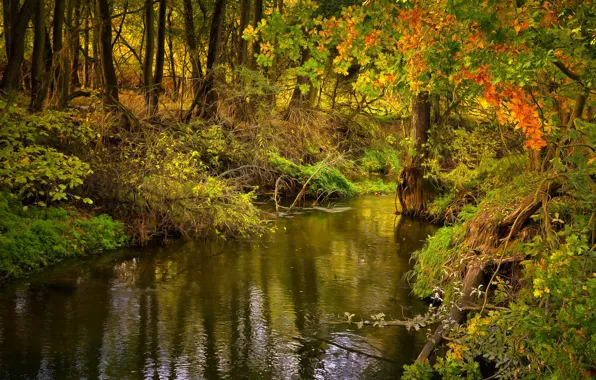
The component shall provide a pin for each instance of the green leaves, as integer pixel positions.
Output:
(31, 166)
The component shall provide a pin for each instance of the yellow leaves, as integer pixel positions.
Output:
(457, 351)
(540, 288)
(249, 32)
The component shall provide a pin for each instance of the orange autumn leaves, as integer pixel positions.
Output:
(513, 107)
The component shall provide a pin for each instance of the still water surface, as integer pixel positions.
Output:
(236, 309)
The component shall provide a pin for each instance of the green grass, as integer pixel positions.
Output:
(32, 238)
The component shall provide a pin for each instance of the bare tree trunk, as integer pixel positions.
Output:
(242, 43)
(160, 57)
(110, 92)
(213, 55)
(86, 65)
(65, 65)
(75, 45)
(413, 193)
(171, 56)
(10, 10)
(38, 75)
(149, 53)
(191, 42)
(10, 80)
(58, 42)
(96, 67)
(256, 47)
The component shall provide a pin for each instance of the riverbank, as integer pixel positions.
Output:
(32, 237)
(71, 188)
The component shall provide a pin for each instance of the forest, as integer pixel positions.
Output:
(129, 122)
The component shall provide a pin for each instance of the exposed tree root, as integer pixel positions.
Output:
(487, 236)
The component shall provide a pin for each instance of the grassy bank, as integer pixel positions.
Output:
(35, 237)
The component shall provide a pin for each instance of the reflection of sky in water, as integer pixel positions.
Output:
(236, 309)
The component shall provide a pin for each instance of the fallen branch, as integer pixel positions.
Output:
(346, 348)
(303, 190)
(369, 323)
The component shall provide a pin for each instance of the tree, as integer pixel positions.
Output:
(207, 94)
(149, 54)
(243, 43)
(160, 57)
(16, 47)
(191, 42)
(110, 91)
(38, 74)
(258, 15)
(58, 52)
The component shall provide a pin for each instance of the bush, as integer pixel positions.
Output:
(158, 184)
(31, 166)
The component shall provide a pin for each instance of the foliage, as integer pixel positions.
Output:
(166, 187)
(380, 161)
(37, 237)
(378, 186)
(549, 329)
(31, 167)
(327, 181)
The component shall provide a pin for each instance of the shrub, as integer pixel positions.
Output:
(31, 166)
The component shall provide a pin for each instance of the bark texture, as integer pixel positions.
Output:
(413, 190)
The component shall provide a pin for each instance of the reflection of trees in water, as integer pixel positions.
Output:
(238, 309)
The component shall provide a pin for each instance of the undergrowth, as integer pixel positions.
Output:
(34, 237)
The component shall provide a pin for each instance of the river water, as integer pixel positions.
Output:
(235, 309)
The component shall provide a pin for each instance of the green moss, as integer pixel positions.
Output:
(35, 237)
(327, 181)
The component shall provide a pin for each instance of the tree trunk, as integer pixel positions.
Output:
(110, 92)
(38, 79)
(149, 53)
(10, 10)
(58, 42)
(298, 98)
(191, 42)
(258, 16)
(10, 80)
(412, 191)
(213, 56)
(65, 65)
(75, 45)
(160, 57)
(171, 56)
(242, 43)
(485, 236)
(86, 65)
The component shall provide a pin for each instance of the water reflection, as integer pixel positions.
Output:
(236, 309)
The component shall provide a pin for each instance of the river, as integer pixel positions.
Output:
(232, 309)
